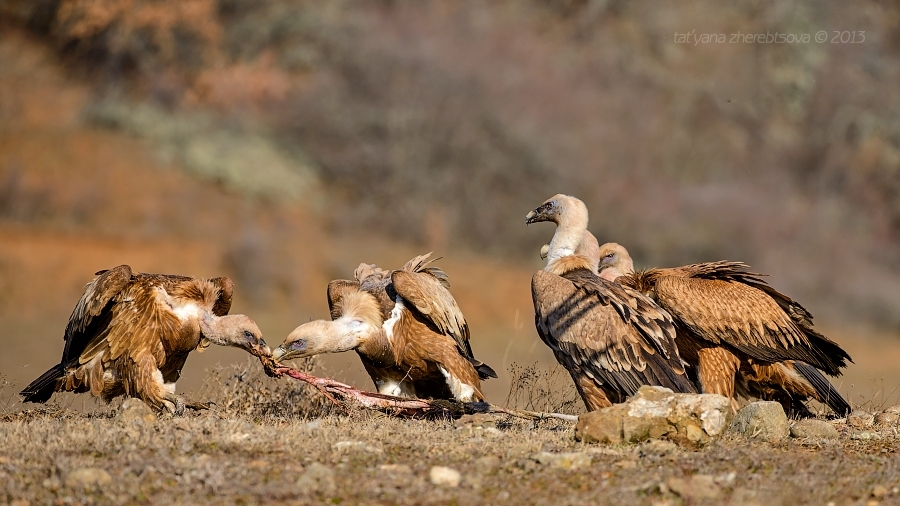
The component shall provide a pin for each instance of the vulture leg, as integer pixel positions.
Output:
(716, 368)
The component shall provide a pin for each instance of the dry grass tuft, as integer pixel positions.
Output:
(243, 390)
(544, 390)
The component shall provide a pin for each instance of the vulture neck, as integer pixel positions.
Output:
(570, 228)
(216, 328)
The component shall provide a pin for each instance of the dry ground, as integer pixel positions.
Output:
(271, 441)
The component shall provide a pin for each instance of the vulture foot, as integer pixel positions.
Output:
(175, 404)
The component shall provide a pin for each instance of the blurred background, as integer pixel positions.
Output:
(283, 142)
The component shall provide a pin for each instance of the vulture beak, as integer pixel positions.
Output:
(545, 212)
(291, 349)
(278, 353)
(260, 349)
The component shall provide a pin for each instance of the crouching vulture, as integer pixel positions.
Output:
(610, 338)
(406, 327)
(742, 336)
(131, 332)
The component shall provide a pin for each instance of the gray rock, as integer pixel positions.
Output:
(860, 419)
(700, 486)
(88, 477)
(654, 413)
(316, 478)
(568, 460)
(814, 429)
(763, 420)
(135, 410)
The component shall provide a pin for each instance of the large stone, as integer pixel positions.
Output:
(814, 429)
(654, 413)
(763, 420)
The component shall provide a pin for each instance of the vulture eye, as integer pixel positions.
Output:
(248, 335)
(610, 256)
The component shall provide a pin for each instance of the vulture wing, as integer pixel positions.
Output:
(336, 291)
(226, 290)
(721, 303)
(434, 301)
(141, 322)
(91, 315)
(614, 335)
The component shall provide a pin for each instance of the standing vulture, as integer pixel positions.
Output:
(130, 334)
(610, 338)
(742, 335)
(407, 329)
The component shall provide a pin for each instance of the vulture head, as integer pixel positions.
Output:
(237, 330)
(614, 261)
(571, 218)
(320, 336)
(360, 320)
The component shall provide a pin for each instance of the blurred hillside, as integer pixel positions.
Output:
(283, 142)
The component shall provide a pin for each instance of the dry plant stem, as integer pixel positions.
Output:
(338, 392)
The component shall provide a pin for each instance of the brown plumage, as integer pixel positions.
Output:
(610, 338)
(130, 334)
(742, 335)
(406, 327)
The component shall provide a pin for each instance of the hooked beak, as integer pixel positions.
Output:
(259, 349)
(544, 212)
(297, 349)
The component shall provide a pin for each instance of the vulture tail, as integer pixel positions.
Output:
(42, 388)
(826, 392)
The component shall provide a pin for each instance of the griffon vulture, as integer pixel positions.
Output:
(742, 335)
(130, 334)
(610, 338)
(406, 327)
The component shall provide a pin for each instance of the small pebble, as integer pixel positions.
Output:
(444, 476)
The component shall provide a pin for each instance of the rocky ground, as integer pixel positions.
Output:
(264, 444)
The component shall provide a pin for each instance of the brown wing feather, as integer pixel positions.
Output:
(722, 303)
(84, 325)
(434, 301)
(140, 323)
(615, 336)
(336, 291)
(226, 291)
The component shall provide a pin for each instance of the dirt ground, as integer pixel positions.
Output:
(276, 441)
